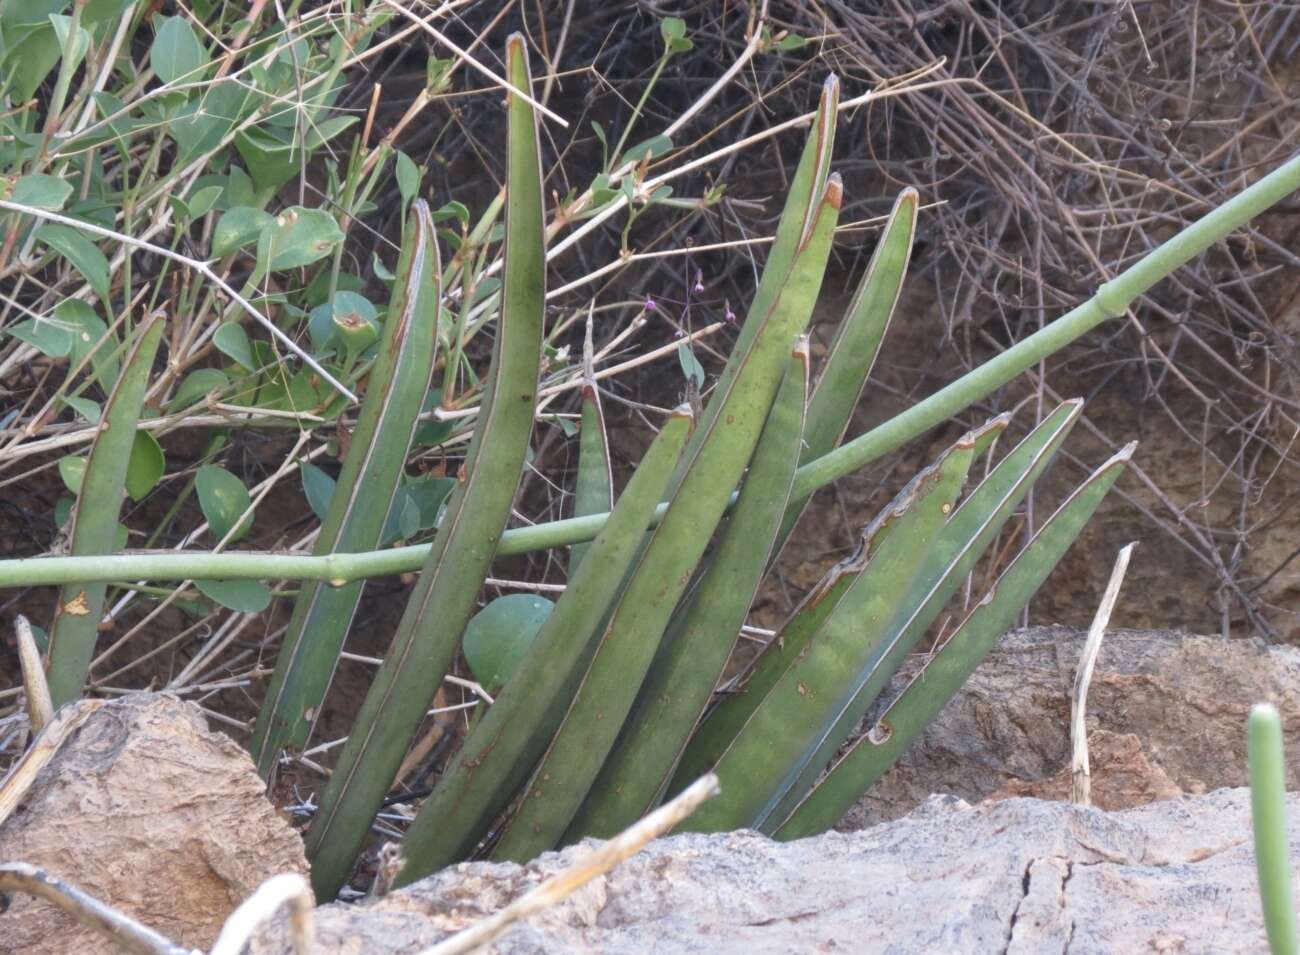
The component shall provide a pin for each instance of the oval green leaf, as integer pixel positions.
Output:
(499, 635)
(232, 340)
(145, 467)
(80, 251)
(237, 227)
(176, 52)
(72, 469)
(223, 498)
(246, 596)
(300, 237)
(39, 191)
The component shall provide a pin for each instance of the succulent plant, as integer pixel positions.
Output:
(617, 696)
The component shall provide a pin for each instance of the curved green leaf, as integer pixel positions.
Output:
(504, 746)
(176, 53)
(704, 630)
(856, 344)
(927, 694)
(37, 190)
(237, 227)
(1268, 820)
(784, 729)
(443, 598)
(244, 596)
(145, 467)
(298, 237)
(354, 513)
(593, 492)
(965, 537)
(94, 521)
(712, 469)
(80, 251)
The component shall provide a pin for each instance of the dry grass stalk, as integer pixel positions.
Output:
(289, 890)
(1080, 772)
(40, 710)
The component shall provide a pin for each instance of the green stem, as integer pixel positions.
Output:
(636, 112)
(1111, 300)
(1268, 815)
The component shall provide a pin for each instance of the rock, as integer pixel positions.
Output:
(1122, 776)
(1166, 712)
(148, 811)
(1016, 876)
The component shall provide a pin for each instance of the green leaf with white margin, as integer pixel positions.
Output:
(499, 635)
(930, 690)
(84, 255)
(853, 351)
(244, 596)
(705, 627)
(354, 511)
(176, 53)
(711, 469)
(968, 533)
(223, 498)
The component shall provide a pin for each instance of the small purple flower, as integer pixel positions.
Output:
(649, 304)
(699, 282)
(730, 315)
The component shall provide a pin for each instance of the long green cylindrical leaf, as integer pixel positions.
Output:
(366, 489)
(503, 747)
(930, 690)
(704, 631)
(444, 596)
(968, 533)
(771, 748)
(637, 624)
(593, 492)
(1268, 819)
(857, 343)
(802, 201)
(94, 520)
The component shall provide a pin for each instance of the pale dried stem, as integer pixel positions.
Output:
(289, 890)
(40, 709)
(1080, 771)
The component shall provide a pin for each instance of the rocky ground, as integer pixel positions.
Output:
(145, 808)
